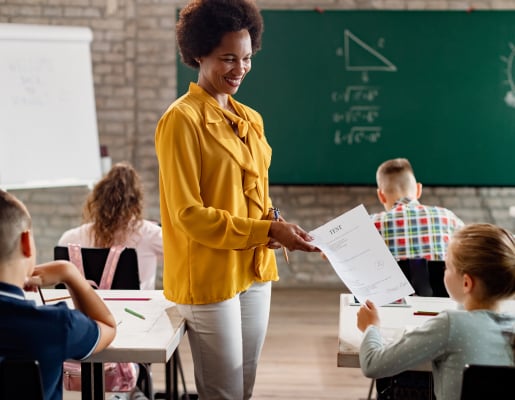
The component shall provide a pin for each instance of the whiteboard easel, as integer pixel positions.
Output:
(48, 127)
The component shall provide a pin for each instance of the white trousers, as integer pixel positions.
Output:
(226, 339)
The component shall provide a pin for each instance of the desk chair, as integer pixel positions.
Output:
(20, 379)
(93, 259)
(426, 276)
(487, 382)
(436, 270)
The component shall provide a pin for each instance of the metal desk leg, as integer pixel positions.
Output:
(98, 381)
(175, 358)
(92, 381)
(168, 380)
(86, 370)
(172, 387)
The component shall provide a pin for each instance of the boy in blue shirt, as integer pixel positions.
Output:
(49, 334)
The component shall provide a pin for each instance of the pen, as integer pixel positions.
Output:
(426, 313)
(132, 312)
(277, 213)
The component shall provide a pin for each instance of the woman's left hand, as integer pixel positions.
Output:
(273, 244)
(291, 236)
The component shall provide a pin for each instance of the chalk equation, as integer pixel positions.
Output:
(358, 135)
(360, 120)
(357, 114)
(356, 93)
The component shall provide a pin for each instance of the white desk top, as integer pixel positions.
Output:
(149, 340)
(394, 321)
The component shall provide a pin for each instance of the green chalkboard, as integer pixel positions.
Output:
(341, 91)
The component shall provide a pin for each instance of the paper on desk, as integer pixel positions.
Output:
(361, 258)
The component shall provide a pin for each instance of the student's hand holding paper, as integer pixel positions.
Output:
(367, 315)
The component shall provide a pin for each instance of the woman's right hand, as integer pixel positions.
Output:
(291, 236)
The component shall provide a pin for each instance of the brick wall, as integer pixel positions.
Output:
(133, 54)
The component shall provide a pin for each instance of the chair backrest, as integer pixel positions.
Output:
(488, 382)
(93, 259)
(20, 379)
(436, 270)
(425, 276)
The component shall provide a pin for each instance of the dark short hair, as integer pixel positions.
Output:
(203, 23)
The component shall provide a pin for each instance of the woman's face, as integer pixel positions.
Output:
(222, 71)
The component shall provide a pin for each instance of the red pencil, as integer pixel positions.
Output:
(127, 298)
(426, 313)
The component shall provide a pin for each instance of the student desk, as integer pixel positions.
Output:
(394, 321)
(150, 340)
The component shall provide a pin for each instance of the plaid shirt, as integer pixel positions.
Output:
(413, 230)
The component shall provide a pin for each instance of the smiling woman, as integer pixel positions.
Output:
(218, 238)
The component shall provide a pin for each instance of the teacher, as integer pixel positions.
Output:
(218, 232)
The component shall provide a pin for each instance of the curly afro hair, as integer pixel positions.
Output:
(203, 23)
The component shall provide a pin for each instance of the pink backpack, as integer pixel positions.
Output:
(118, 377)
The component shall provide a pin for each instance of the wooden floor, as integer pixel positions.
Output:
(299, 357)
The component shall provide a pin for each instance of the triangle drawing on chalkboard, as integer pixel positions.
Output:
(359, 56)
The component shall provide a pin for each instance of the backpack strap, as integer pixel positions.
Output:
(110, 266)
(75, 256)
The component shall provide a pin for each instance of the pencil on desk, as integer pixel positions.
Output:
(58, 298)
(426, 313)
(132, 312)
(127, 298)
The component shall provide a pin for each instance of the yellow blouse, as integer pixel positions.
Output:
(214, 199)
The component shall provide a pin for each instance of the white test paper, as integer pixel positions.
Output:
(360, 257)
